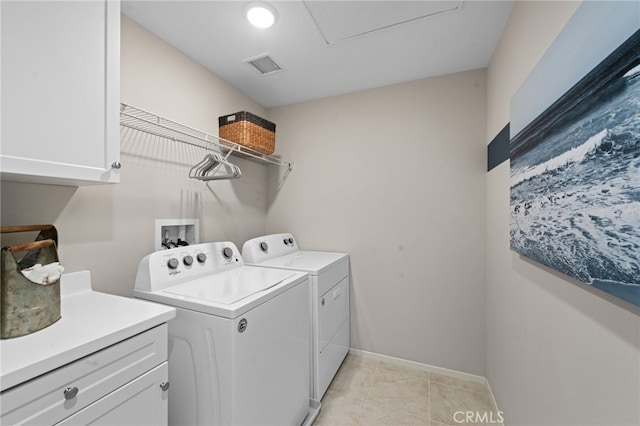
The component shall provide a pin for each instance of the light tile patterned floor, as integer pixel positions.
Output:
(369, 392)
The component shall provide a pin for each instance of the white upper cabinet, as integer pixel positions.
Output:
(60, 92)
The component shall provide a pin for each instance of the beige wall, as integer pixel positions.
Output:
(557, 353)
(108, 229)
(395, 177)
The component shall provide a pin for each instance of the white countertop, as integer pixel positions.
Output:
(90, 322)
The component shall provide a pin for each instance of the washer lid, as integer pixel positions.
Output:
(313, 262)
(231, 286)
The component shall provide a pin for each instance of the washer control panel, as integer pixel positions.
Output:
(170, 267)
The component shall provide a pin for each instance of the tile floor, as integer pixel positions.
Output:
(369, 392)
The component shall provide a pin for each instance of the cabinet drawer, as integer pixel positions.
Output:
(141, 402)
(43, 400)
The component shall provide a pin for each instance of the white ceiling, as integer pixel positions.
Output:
(327, 48)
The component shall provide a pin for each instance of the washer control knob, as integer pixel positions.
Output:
(290, 240)
(227, 252)
(264, 246)
(173, 263)
(201, 257)
(187, 260)
(286, 242)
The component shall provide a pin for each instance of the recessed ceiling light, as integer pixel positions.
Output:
(261, 14)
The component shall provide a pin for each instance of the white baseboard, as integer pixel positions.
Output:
(419, 365)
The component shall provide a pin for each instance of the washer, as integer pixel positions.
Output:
(329, 299)
(239, 345)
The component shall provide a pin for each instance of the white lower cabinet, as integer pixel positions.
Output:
(123, 384)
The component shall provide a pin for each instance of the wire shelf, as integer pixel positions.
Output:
(144, 121)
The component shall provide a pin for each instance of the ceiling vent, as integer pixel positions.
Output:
(264, 64)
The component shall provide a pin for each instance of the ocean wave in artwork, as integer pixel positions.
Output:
(575, 196)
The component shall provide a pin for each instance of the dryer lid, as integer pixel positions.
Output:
(231, 286)
(313, 262)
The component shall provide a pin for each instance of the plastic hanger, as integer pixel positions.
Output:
(208, 169)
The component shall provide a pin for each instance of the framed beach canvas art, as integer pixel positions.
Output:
(575, 162)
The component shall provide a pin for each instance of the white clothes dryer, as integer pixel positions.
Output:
(239, 345)
(330, 338)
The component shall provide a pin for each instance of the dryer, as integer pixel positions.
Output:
(330, 338)
(239, 345)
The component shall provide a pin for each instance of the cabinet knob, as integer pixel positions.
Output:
(70, 393)
(165, 386)
(116, 165)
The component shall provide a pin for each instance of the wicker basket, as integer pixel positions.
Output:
(27, 307)
(249, 130)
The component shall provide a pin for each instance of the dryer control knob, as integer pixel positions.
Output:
(264, 246)
(173, 263)
(290, 241)
(201, 257)
(227, 252)
(187, 260)
(286, 242)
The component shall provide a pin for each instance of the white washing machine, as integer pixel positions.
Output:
(330, 299)
(239, 345)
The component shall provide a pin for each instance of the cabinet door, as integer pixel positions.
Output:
(140, 402)
(60, 91)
